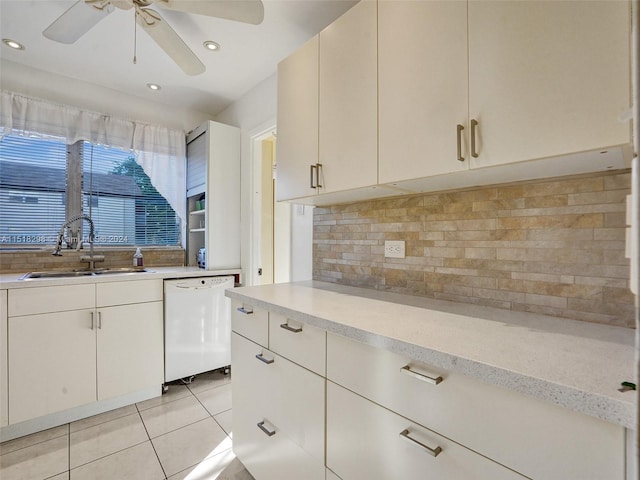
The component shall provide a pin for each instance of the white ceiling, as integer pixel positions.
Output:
(104, 55)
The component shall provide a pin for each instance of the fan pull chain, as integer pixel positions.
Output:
(135, 35)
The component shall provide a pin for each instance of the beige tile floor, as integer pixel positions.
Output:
(183, 435)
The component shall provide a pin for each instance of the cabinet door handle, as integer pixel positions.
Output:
(244, 311)
(474, 125)
(431, 451)
(420, 376)
(93, 322)
(318, 171)
(100, 320)
(460, 128)
(311, 169)
(262, 358)
(269, 433)
(289, 328)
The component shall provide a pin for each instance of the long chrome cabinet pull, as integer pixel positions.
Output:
(318, 170)
(100, 320)
(474, 125)
(311, 169)
(93, 321)
(288, 327)
(269, 433)
(460, 128)
(431, 451)
(244, 310)
(263, 359)
(420, 376)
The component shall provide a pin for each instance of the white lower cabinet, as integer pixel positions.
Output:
(62, 354)
(316, 405)
(278, 414)
(535, 438)
(365, 440)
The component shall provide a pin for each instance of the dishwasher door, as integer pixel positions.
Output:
(197, 326)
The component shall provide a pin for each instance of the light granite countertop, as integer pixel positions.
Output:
(573, 364)
(12, 280)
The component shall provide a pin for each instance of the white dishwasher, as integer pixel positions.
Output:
(197, 326)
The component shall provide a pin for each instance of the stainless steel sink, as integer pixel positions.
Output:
(81, 273)
(55, 274)
(102, 271)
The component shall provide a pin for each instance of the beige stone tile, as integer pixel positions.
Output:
(36, 462)
(484, 253)
(589, 220)
(216, 400)
(139, 462)
(545, 300)
(102, 418)
(615, 220)
(33, 439)
(224, 466)
(616, 182)
(607, 196)
(544, 202)
(225, 420)
(190, 445)
(106, 438)
(171, 416)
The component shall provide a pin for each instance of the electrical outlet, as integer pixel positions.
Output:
(394, 248)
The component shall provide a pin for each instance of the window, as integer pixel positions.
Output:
(41, 178)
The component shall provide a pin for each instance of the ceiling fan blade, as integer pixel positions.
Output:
(245, 11)
(166, 37)
(77, 21)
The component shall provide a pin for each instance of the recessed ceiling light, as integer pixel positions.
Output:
(13, 44)
(209, 45)
(154, 86)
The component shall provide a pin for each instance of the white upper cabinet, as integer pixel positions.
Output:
(298, 123)
(423, 94)
(348, 121)
(547, 78)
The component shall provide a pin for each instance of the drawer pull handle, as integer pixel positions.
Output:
(425, 378)
(269, 433)
(289, 328)
(93, 321)
(245, 311)
(263, 359)
(431, 451)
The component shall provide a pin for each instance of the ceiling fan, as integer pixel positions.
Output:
(84, 14)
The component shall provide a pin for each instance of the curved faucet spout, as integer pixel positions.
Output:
(68, 223)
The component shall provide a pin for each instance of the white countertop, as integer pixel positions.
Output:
(12, 280)
(577, 365)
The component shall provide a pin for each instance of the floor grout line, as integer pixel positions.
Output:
(164, 472)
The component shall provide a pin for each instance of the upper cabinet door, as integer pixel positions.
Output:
(298, 123)
(348, 100)
(423, 88)
(547, 78)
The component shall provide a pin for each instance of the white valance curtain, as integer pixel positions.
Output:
(160, 151)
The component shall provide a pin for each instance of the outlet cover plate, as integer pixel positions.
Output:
(394, 248)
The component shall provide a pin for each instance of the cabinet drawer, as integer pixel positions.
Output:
(252, 323)
(300, 343)
(290, 397)
(464, 409)
(61, 298)
(124, 293)
(365, 440)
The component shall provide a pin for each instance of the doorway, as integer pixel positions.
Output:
(271, 240)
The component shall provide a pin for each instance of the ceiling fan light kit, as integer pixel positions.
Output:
(85, 14)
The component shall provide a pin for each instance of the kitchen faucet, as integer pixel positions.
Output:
(91, 258)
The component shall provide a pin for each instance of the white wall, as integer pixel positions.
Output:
(69, 91)
(254, 113)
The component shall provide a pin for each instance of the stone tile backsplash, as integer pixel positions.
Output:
(555, 247)
(22, 261)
